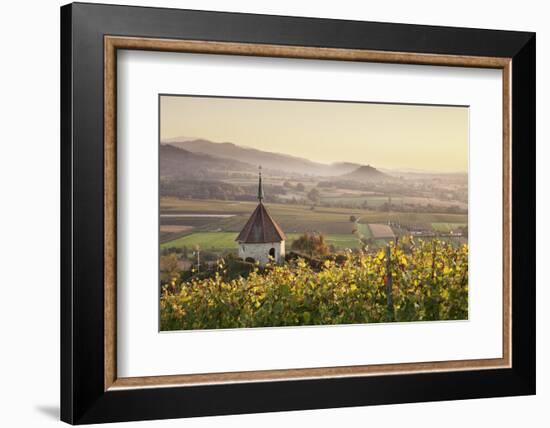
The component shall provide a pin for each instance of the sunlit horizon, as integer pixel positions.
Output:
(415, 138)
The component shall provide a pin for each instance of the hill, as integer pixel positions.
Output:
(366, 173)
(176, 163)
(268, 160)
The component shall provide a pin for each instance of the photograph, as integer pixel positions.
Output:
(259, 212)
(285, 212)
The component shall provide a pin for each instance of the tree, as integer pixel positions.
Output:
(311, 244)
(314, 196)
(352, 218)
(169, 268)
(300, 187)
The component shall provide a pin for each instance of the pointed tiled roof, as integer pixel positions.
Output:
(260, 228)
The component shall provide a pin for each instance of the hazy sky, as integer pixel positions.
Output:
(383, 135)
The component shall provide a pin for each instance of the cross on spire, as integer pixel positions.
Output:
(260, 188)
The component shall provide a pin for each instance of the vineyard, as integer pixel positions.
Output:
(408, 281)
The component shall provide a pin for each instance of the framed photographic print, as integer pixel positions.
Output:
(265, 213)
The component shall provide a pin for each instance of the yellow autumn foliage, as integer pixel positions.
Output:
(429, 282)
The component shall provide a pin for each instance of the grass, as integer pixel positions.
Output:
(341, 241)
(292, 218)
(375, 201)
(226, 241)
(446, 227)
(206, 241)
(218, 234)
(357, 201)
(364, 230)
(412, 217)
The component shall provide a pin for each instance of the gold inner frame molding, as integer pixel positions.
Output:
(113, 43)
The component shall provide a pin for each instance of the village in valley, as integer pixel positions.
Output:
(246, 207)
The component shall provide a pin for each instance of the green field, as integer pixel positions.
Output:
(364, 230)
(226, 241)
(341, 241)
(446, 227)
(291, 218)
(373, 201)
(206, 241)
(220, 233)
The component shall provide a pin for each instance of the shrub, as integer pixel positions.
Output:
(429, 282)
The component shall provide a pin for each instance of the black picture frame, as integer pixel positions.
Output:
(83, 398)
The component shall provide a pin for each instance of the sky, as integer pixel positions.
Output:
(395, 136)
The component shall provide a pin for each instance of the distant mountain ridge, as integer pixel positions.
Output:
(268, 160)
(177, 139)
(176, 163)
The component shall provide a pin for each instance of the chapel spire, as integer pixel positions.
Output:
(260, 188)
(261, 239)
